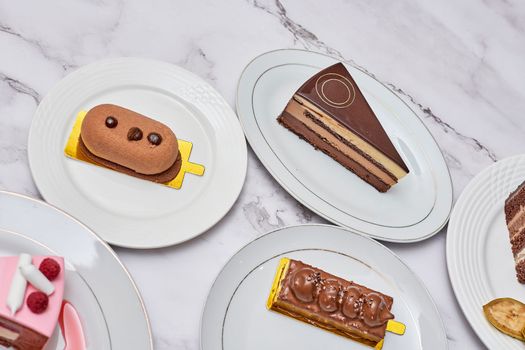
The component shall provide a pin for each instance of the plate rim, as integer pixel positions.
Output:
(242, 166)
(95, 237)
(310, 206)
(449, 242)
(348, 230)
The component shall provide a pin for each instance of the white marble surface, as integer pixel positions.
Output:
(460, 65)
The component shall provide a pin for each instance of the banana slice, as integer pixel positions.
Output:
(507, 315)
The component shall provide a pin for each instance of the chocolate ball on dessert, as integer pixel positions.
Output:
(134, 134)
(111, 122)
(154, 138)
(352, 302)
(328, 298)
(375, 311)
(303, 285)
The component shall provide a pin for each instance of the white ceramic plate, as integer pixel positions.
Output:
(414, 209)
(97, 284)
(123, 210)
(479, 258)
(235, 315)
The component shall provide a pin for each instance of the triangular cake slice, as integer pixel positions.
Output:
(330, 112)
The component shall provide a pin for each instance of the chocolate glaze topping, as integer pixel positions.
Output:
(343, 301)
(335, 92)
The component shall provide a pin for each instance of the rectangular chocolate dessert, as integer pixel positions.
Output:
(515, 217)
(330, 112)
(311, 295)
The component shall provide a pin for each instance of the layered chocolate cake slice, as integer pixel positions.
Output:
(330, 112)
(515, 217)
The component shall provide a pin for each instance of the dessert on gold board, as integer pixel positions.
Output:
(330, 112)
(326, 301)
(120, 139)
(131, 143)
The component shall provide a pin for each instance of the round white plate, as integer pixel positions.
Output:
(97, 284)
(415, 209)
(479, 258)
(235, 315)
(127, 211)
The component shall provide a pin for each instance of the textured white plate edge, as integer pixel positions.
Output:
(104, 244)
(326, 216)
(366, 237)
(456, 285)
(244, 164)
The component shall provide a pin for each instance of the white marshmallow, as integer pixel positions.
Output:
(17, 290)
(37, 279)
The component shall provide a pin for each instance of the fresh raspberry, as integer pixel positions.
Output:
(37, 302)
(50, 268)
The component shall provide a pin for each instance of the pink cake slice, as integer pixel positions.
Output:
(27, 330)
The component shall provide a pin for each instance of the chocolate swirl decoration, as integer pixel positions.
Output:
(375, 311)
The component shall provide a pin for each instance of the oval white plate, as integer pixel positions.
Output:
(99, 286)
(123, 210)
(479, 258)
(414, 209)
(235, 315)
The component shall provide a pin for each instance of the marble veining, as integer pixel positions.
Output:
(311, 42)
(458, 65)
(65, 65)
(20, 87)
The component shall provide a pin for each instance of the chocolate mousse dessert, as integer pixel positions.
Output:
(311, 295)
(330, 112)
(131, 143)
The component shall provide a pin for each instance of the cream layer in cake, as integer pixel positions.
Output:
(347, 134)
(298, 111)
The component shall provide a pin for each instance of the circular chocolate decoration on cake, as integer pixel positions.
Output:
(154, 138)
(134, 134)
(111, 122)
(335, 90)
